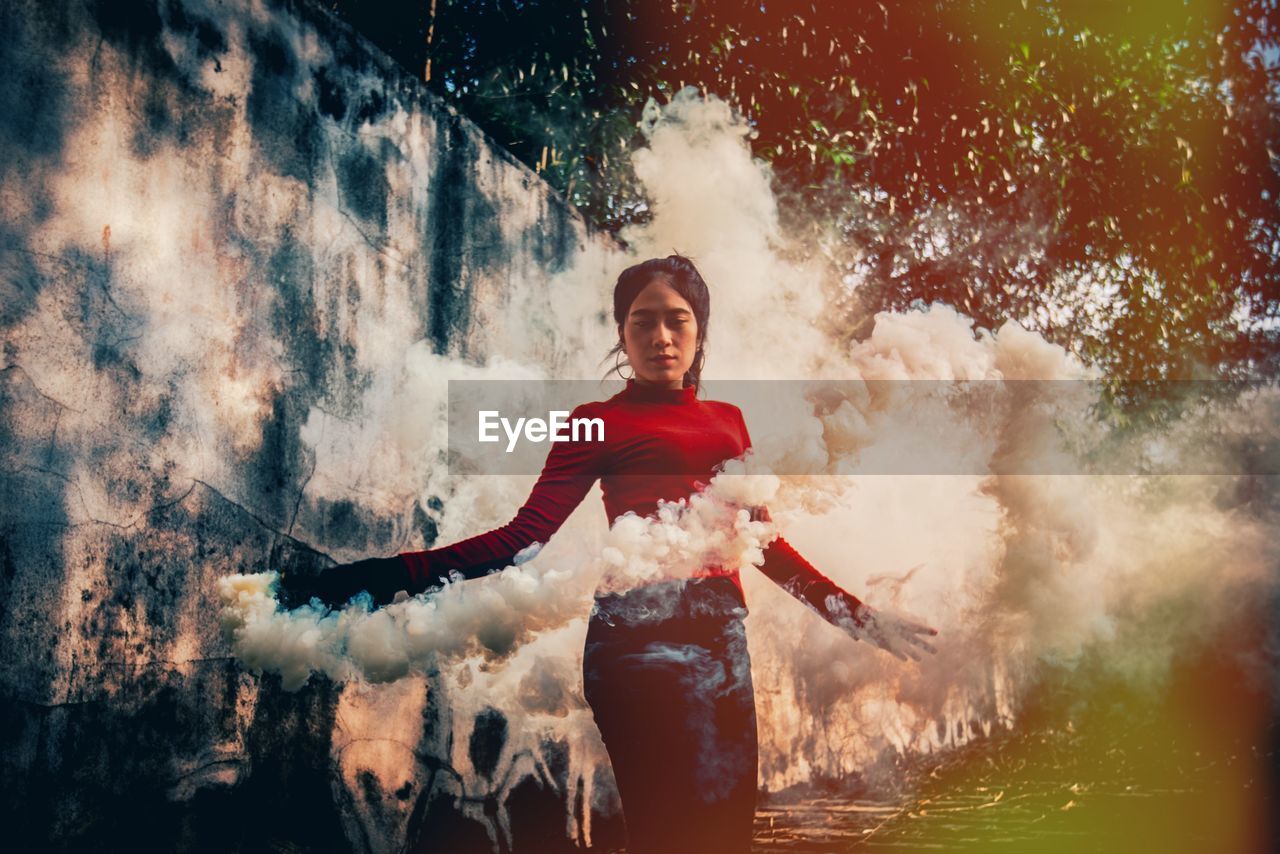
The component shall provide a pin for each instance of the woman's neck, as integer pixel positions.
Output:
(661, 384)
(659, 393)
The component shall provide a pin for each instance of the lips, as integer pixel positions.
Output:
(662, 360)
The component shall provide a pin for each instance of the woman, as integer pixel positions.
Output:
(665, 669)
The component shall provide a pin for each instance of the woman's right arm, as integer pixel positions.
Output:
(571, 469)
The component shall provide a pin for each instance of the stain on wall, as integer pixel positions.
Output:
(224, 227)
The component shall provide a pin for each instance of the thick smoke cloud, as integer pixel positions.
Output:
(1014, 570)
(496, 617)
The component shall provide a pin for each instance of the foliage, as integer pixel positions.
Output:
(1105, 172)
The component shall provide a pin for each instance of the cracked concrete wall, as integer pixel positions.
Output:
(225, 225)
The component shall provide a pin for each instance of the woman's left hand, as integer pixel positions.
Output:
(894, 633)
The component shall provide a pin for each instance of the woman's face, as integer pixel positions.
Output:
(660, 334)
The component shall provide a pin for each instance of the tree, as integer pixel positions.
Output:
(1103, 172)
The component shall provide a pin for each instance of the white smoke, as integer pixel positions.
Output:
(402, 638)
(1014, 570)
(505, 611)
(1011, 569)
(159, 338)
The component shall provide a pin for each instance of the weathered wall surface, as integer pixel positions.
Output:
(225, 224)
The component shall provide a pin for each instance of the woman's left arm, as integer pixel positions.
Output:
(787, 568)
(893, 633)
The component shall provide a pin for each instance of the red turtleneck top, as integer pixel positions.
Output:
(658, 443)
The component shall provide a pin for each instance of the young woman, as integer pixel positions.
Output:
(665, 669)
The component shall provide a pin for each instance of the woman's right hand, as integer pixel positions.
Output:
(334, 586)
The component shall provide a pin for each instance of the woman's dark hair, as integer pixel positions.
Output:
(679, 272)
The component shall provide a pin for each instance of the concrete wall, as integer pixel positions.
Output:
(224, 226)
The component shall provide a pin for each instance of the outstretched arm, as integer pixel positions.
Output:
(570, 470)
(787, 568)
(894, 634)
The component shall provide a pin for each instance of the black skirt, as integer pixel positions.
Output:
(667, 674)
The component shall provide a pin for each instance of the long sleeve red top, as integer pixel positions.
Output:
(658, 443)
